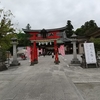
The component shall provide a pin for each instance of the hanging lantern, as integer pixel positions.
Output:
(42, 42)
(46, 43)
(50, 43)
(39, 43)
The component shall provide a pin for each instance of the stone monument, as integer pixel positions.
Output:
(75, 60)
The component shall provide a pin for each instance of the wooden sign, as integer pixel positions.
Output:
(90, 53)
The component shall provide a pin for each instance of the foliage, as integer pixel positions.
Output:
(86, 29)
(2, 54)
(6, 29)
(23, 39)
(69, 29)
(96, 42)
(6, 41)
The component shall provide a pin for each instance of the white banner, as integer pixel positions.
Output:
(89, 53)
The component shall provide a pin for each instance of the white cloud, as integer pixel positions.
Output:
(53, 13)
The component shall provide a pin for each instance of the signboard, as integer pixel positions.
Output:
(90, 53)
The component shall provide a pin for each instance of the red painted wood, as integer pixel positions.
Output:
(34, 53)
(31, 52)
(40, 38)
(34, 37)
(56, 51)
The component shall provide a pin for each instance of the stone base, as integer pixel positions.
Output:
(91, 66)
(15, 63)
(57, 62)
(3, 66)
(34, 62)
(75, 62)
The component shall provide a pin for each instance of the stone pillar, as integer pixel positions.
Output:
(74, 50)
(75, 60)
(15, 61)
(14, 53)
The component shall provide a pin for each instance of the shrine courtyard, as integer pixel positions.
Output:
(49, 81)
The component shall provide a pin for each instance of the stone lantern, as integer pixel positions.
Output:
(14, 42)
(75, 59)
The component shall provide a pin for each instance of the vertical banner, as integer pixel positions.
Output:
(62, 50)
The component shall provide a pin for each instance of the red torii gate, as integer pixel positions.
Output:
(35, 38)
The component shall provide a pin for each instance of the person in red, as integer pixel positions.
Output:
(23, 56)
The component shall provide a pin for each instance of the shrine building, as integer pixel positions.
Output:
(49, 41)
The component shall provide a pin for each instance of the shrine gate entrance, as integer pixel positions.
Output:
(47, 37)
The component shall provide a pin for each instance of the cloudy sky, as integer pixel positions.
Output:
(52, 13)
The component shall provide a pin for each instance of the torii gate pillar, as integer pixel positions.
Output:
(56, 50)
(34, 52)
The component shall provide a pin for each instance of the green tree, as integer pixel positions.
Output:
(96, 42)
(69, 29)
(6, 29)
(23, 39)
(88, 28)
(6, 41)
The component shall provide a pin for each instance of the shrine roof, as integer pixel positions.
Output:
(48, 30)
(95, 34)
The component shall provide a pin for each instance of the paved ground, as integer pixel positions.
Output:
(47, 81)
(86, 80)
